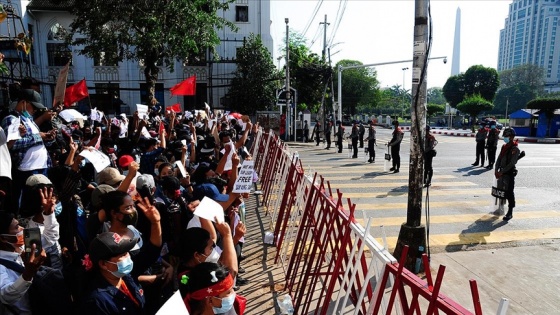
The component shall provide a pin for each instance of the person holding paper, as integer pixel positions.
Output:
(28, 152)
(5, 172)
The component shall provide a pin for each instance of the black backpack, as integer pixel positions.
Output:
(48, 293)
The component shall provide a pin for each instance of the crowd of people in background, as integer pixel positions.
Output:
(125, 237)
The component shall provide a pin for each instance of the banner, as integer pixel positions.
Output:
(60, 87)
(75, 93)
(186, 87)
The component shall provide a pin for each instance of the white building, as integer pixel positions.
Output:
(49, 20)
(529, 37)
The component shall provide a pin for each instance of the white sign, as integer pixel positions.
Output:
(228, 166)
(244, 180)
(142, 111)
(13, 130)
(174, 305)
(181, 168)
(419, 48)
(70, 115)
(96, 115)
(208, 209)
(99, 160)
(416, 74)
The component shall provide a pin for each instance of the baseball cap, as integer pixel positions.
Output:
(97, 193)
(38, 179)
(110, 176)
(145, 180)
(125, 160)
(109, 244)
(31, 96)
(209, 190)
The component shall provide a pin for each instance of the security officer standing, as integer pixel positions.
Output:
(395, 145)
(429, 154)
(328, 128)
(354, 136)
(371, 143)
(317, 132)
(505, 170)
(492, 144)
(480, 143)
(339, 136)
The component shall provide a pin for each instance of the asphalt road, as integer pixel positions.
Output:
(461, 215)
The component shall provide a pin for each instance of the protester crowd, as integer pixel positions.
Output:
(123, 238)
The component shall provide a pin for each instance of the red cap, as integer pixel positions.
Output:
(125, 160)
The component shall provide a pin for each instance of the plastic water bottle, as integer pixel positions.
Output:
(419, 259)
(286, 306)
(296, 155)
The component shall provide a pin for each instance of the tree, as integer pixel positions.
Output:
(435, 96)
(474, 105)
(253, 86)
(359, 86)
(151, 32)
(454, 90)
(514, 98)
(548, 106)
(478, 80)
(434, 109)
(529, 75)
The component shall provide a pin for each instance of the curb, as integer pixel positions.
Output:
(472, 135)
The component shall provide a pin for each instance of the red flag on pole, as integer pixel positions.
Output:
(75, 93)
(186, 87)
(176, 108)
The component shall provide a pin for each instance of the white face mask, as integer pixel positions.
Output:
(214, 255)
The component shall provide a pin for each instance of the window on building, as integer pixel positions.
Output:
(106, 59)
(58, 53)
(241, 13)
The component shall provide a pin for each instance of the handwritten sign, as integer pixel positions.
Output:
(244, 180)
(142, 111)
(174, 305)
(99, 160)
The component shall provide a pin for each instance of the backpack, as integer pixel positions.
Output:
(48, 293)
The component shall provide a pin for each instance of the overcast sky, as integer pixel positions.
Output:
(375, 31)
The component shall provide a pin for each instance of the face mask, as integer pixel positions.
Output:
(124, 267)
(227, 304)
(125, 173)
(156, 172)
(213, 257)
(493, 127)
(506, 140)
(130, 218)
(57, 209)
(26, 114)
(16, 240)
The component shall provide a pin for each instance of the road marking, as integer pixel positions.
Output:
(463, 218)
(433, 204)
(444, 192)
(485, 237)
(393, 184)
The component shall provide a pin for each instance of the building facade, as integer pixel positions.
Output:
(48, 21)
(529, 37)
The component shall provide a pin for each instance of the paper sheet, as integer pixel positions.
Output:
(181, 168)
(142, 111)
(13, 130)
(244, 181)
(174, 305)
(99, 160)
(208, 209)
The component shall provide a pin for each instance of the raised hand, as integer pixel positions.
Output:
(47, 202)
(223, 228)
(149, 210)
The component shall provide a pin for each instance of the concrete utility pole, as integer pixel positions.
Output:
(413, 233)
(322, 113)
(287, 130)
(325, 37)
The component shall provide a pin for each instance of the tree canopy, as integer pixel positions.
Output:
(454, 90)
(477, 80)
(529, 75)
(435, 96)
(254, 83)
(434, 109)
(149, 31)
(359, 86)
(474, 105)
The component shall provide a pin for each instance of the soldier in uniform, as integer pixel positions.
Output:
(492, 144)
(362, 133)
(328, 128)
(429, 154)
(395, 145)
(317, 132)
(371, 143)
(505, 170)
(354, 136)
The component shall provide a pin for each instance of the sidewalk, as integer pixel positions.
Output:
(469, 133)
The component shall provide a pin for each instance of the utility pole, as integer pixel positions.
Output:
(324, 37)
(412, 232)
(322, 114)
(507, 105)
(287, 130)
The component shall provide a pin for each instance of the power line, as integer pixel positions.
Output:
(315, 11)
(338, 19)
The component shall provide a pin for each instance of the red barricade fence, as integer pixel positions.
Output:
(332, 264)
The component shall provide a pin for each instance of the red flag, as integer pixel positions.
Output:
(176, 108)
(75, 93)
(186, 87)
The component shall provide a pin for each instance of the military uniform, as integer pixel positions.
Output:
(480, 143)
(492, 145)
(395, 145)
(505, 172)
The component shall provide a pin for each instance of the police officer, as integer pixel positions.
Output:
(429, 154)
(371, 143)
(505, 170)
(354, 136)
(395, 145)
(362, 133)
(328, 128)
(317, 132)
(492, 144)
(480, 143)
(339, 136)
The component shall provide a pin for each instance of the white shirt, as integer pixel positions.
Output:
(49, 231)
(13, 288)
(37, 156)
(5, 158)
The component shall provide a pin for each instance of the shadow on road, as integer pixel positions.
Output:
(472, 170)
(397, 191)
(476, 233)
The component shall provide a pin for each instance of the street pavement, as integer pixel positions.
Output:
(514, 260)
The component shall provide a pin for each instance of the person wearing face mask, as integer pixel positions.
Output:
(492, 144)
(505, 170)
(14, 298)
(29, 152)
(211, 291)
(153, 150)
(114, 290)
